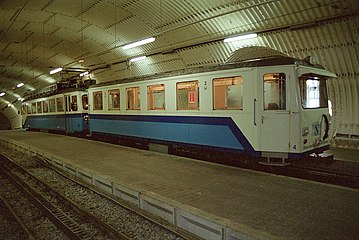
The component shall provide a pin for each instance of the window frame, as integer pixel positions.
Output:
(45, 103)
(33, 108)
(136, 98)
(276, 105)
(23, 110)
(95, 105)
(85, 102)
(57, 105)
(322, 86)
(28, 108)
(196, 96)
(53, 105)
(226, 96)
(109, 93)
(74, 103)
(39, 107)
(151, 97)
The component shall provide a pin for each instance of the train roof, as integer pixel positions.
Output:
(249, 63)
(60, 88)
(274, 60)
(52, 93)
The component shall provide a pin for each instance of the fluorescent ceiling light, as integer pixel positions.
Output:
(56, 70)
(241, 37)
(84, 73)
(138, 59)
(2, 94)
(20, 85)
(139, 43)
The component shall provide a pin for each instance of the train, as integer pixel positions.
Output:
(273, 109)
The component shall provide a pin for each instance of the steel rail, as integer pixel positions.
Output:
(161, 223)
(70, 227)
(326, 176)
(20, 223)
(60, 219)
(316, 174)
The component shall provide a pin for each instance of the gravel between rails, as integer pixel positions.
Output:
(122, 219)
(40, 226)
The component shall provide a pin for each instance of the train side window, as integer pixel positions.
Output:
(60, 104)
(45, 105)
(313, 91)
(228, 93)
(85, 102)
(52, 105)
(274, 91)
(74, 103)
(114, 99)
(187, 95)
(97, 100)
(33, 107)
(29, 109)
(23, 109)
(156, 97)
(133, 98)
(39, 107)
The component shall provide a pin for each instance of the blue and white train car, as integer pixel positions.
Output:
(64, 112)
(276, 108)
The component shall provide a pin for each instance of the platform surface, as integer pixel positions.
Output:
(283, 207)
(342, 154)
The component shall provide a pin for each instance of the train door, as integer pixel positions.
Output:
(273, 109)
(68, 108)
(85, 108)
(67, 113)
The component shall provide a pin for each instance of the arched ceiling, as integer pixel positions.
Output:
(37, 36)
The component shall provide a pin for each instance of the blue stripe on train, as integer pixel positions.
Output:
(59, 122)
(208, 131)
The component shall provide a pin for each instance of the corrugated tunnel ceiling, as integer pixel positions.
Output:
(39, 35)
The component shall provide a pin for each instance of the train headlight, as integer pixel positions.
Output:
(305, 131)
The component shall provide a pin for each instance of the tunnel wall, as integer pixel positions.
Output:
(10, 118)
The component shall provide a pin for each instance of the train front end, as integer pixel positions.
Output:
(310, 118)
(313, 105)
(294, 120)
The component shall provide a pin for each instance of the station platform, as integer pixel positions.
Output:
(209, 200)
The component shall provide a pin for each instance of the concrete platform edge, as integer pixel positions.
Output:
(196, 221)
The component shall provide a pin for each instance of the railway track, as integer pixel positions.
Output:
(323, 175)
(15, 225)
(318, 173)
(37, 224)
(98, 200)
(97, 217)
(66, 216)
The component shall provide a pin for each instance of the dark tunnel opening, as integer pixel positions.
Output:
(4, 123)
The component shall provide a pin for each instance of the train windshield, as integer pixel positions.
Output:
(313, 90)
